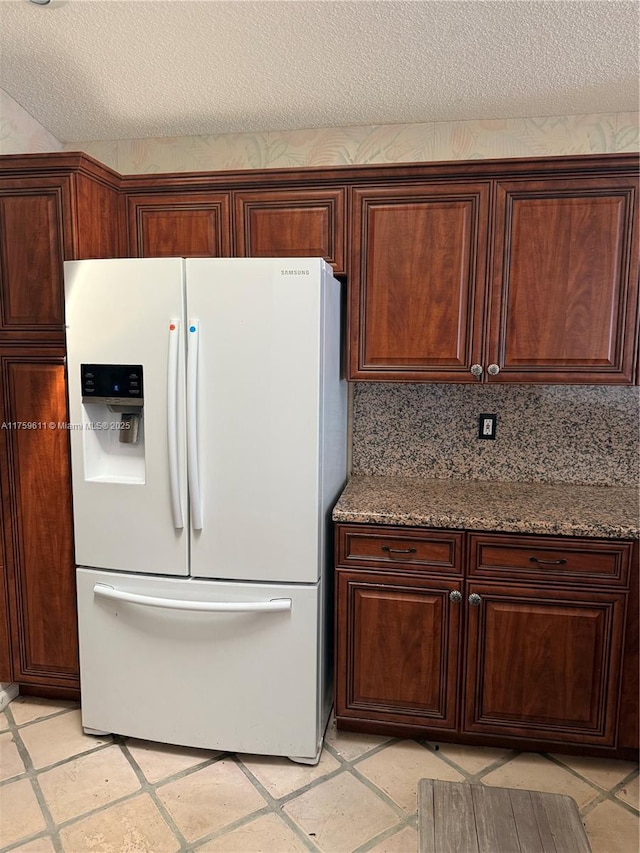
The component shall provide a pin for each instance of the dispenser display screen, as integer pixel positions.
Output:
(117, 384)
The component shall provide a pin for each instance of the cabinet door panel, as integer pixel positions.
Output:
(565, 281)
(6, 668)
(36, 478)
(179, 226)
(292, 224)
(397, 650)
(418, 281)
(32, 248)
(544, 665)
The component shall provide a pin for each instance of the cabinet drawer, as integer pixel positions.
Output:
(393, 548)
(591, 561)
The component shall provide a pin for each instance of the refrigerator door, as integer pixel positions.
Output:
(200, 663)
(261, 367)
(129, 498)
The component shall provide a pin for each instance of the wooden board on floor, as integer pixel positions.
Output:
(458, 817)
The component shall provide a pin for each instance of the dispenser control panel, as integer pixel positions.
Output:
(113, 384)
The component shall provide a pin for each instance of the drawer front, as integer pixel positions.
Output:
(591, 561)
(394, 548)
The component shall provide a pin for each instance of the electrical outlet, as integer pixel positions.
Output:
(487, 426)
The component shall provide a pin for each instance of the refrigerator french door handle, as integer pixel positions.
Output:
(274, 605)
(172, 423)
(192, 424)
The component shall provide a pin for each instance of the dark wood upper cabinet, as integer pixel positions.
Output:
(34, 242)
(36, 483)
(564, 283)
(53, 208)
(417, 289)
(186, 225)
(292, 223)
(529, 277)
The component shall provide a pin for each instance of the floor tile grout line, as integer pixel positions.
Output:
(382, 794)
(496, 764)
(150, 788)
(37, 771)
(282, 802)
(43, 719)
(285, 799)
(238, 824)
(559, 763)
(591, 805)
(172, 777)
(384, 836)
(32, 774)
(277, 804)
(603, 793)
(349, 762)
(187, 846)
(30, 839)
(273, 805)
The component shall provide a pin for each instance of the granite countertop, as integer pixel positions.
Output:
(563, 509)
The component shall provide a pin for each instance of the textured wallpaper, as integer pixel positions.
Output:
(545, 433)
(460, 140)
(20, 133)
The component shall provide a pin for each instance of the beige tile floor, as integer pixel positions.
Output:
(64, 792)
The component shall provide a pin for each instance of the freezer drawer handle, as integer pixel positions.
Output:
(172, 423)
(274, 605)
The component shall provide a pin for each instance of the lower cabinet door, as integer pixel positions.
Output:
(397, 649)
(543, 664)
(38, 529)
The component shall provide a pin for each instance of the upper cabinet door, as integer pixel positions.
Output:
(418, 282)
(33, 243)
(564, 284)
(186, 225)
(292, 224)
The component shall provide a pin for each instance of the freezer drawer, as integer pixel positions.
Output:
(243, 676)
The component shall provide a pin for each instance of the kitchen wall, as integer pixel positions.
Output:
(458, 140)
(20, 133)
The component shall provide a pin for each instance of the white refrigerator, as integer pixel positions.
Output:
(208, 445)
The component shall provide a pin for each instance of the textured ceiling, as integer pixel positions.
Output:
(116, 69)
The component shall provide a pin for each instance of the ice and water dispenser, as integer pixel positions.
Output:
(113, 404)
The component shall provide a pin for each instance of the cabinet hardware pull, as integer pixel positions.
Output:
(477, 370)
(493, 369)
(398, 550)
(547, 562)
(475, 600)
(455, 596)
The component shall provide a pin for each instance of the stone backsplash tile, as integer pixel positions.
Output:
(545, 433)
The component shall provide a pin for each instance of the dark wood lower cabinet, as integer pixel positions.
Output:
(38, 527)
(544, 663)
(527, 663)
(399, 638)
(6, 668)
